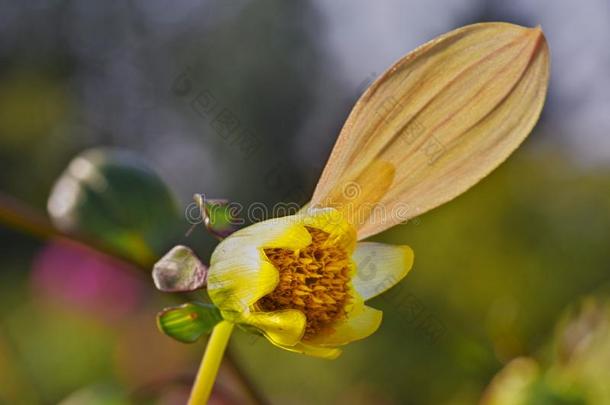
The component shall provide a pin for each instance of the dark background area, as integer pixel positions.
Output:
(243, 100)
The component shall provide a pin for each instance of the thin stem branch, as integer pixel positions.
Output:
(16, 215)
(206, 376)
(20, 217)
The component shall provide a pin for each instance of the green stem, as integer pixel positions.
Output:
(202, 388)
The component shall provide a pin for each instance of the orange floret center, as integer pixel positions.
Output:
(313, 280)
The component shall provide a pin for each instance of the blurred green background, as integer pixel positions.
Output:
(243, 100)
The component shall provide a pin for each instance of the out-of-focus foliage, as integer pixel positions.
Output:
(97, 395)
(582, 350)
(494, 269)
(114, 197)
(576, 371)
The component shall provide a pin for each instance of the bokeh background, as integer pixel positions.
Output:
(495, 269)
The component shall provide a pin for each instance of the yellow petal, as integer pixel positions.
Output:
(329, 353)
(441, 118)
(362, 321)
(237, 282)
(334, 223)
(379, 266)
(240, 273)
(286, 232)
(285, 327)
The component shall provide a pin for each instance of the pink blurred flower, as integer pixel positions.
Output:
(78, 276)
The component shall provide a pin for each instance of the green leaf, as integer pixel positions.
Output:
(188, 322)
(113, 196)
(179, 270)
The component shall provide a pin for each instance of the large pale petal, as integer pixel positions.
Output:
(380, 266)
(435, 123)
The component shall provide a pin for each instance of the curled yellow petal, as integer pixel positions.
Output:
(239, 273)
(284, 327)
(329, 353)
(437, 122)
(360, 323)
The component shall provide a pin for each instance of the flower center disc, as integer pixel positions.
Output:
(313, 280)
